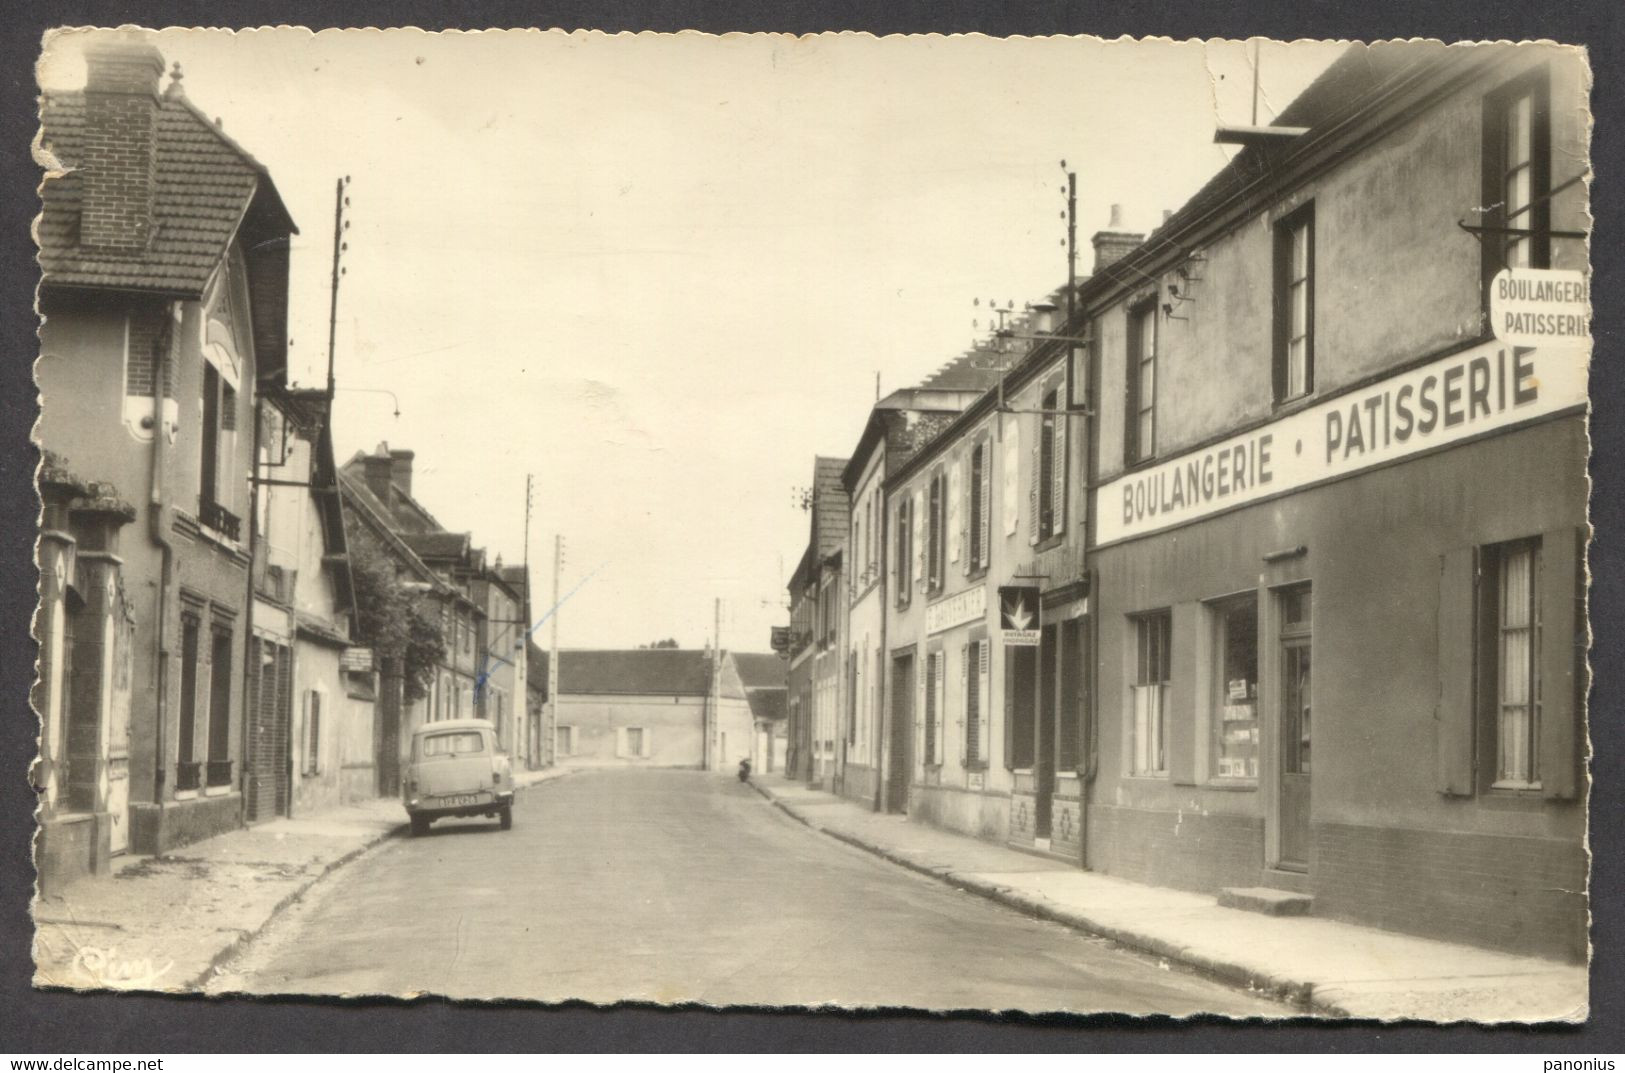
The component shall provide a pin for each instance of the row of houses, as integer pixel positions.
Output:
(1253, 558)
(232, 626)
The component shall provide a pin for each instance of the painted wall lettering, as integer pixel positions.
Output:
(1487, 388)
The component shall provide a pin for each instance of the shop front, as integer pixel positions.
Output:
(1352, 665)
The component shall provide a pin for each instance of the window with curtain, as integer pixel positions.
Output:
(1153, 667)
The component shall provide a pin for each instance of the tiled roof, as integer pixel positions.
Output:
(831, 507)
(438, 545)
(206, 184)
(767, 703)
(974, 370)
(673, 672)
(761, 670)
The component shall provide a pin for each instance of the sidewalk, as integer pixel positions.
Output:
(163, 923)
(1328, 967)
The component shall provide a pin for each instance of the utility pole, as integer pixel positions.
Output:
(340, 225)
(553, 654)
(1071, 283)
(533, 748)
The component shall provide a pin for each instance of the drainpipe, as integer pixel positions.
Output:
(883, 662)
(158, 529)
(248, 608)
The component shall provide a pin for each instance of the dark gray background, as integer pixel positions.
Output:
(51, 1023)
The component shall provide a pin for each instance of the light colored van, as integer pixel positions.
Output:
(456, 770)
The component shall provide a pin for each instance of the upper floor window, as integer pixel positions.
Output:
(1051, 466)
(1517, 176)
(905, 550)
(978, 507)
(1141, 426)
(1295, 305)
(936, 542)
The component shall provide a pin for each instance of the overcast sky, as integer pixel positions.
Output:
(661, 273)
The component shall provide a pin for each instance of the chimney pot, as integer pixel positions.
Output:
(1117, 217)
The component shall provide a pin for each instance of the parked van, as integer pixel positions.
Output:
(456, 770)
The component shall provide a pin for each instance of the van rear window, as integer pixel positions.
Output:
(457, 743)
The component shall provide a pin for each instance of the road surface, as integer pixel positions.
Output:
(678, 886)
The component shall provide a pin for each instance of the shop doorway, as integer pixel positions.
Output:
(1295, 726)
(899, 764)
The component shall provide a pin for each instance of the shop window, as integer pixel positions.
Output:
(1517, 176)
(1141, 425)
(1295, 305)
(1235, 688)
(1152, 674)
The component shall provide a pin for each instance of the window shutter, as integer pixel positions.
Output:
(917, 530)
(1562, 661)
(620, 741)
(1011, 452)
(956, 484)
(942, 695)
(1455, 717)
(920, 713)
(1180, 719)
(984, 490)
(984, 706)
(644, 741)
(1058, 473)
(961, 727)
(1032, 486)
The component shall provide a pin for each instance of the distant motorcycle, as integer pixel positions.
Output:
(744, 771)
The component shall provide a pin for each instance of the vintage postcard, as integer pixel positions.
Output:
(942, 523)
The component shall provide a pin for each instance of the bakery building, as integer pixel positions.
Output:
(1337, 547)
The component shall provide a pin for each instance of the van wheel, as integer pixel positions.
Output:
(505, 817)
(420, 826)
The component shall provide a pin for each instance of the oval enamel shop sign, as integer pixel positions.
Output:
(1540, 307)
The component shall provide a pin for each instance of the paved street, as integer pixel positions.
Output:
(675, 886)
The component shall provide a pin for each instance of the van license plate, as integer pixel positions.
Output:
(458, 800)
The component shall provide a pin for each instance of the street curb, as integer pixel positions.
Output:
(244, 937)
(1294, 992)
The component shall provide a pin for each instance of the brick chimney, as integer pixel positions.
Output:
(401, 466)
(379, 472)
(1114, 242)
(119, 159)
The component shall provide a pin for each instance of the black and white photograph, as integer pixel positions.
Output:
(1052, 525)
